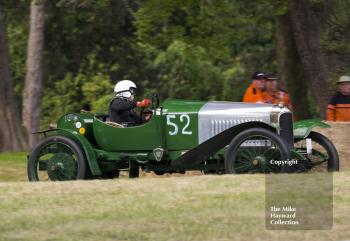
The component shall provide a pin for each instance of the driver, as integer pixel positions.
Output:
(121, 107)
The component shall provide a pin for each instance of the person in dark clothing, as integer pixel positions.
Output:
(121, 107)
(121, 111)
(338, 108)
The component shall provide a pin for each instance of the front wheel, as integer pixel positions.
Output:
(323, 156)
(256, 150)
(56, 158)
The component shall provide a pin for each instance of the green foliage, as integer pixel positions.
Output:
(88, 89)
(206, 49)
(185, 71)
(17, 37)
(180, 48)
(233, 87)
(88, 47)
(101, 104)
(17, 14)
(223, 28)
(183, 49)
(337, 35)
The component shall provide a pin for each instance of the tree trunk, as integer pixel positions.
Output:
(290, 69)
(307, 28)
(11, 135)
(33, 83)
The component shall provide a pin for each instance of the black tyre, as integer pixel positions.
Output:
(56, 158)
(252, 150)
(324, 156)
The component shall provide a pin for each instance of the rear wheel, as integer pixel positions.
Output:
(324, 155)
(56, 158)
(255, 150)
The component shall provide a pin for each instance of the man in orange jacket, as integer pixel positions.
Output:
(339, 107)
(254, 91)
(274, 95)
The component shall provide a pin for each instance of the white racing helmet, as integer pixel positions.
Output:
(125, 88)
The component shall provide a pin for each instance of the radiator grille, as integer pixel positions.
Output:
(286, 131)
(220, 125)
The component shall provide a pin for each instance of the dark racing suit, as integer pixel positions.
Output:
(121, 111)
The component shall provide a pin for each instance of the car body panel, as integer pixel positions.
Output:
(217, 116)
(180, 121)
(135, 138)
(302, 129)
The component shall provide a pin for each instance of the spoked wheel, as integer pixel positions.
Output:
(56, 158)
(324, 156)
(255, 150)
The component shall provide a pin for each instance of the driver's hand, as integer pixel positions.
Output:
(144, 103)
(148, 117)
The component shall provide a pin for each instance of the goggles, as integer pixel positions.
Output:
(132, 91)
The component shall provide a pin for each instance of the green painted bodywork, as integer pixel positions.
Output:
(87, 148)
(67, 127)
(185, 115)
(302, 129)
(138, 138)
(154, 133)
(105, 142)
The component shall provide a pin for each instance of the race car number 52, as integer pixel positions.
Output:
(184, 118)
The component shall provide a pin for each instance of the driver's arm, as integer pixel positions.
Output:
(122, 105)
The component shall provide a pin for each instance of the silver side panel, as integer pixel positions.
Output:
(216, 116)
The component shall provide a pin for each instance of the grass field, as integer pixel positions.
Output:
(13, 166)
(149, 208)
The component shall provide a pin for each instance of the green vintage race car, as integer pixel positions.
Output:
(213, 137)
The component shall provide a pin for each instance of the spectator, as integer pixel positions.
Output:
(254, 91)
(339, 107)
(273, 94)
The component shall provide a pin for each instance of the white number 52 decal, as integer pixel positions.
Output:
(187, 117)
(183, 118)
(169, 123)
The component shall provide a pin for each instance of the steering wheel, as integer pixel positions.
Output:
(155, 101)
(147, 113)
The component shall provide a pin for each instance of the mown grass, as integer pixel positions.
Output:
(174, 208)
(13, 166)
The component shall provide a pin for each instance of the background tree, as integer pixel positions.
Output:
(210, 47)
(290, 68)
(307, 28)
(32, 93)
(335, 39)
(11, 136)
